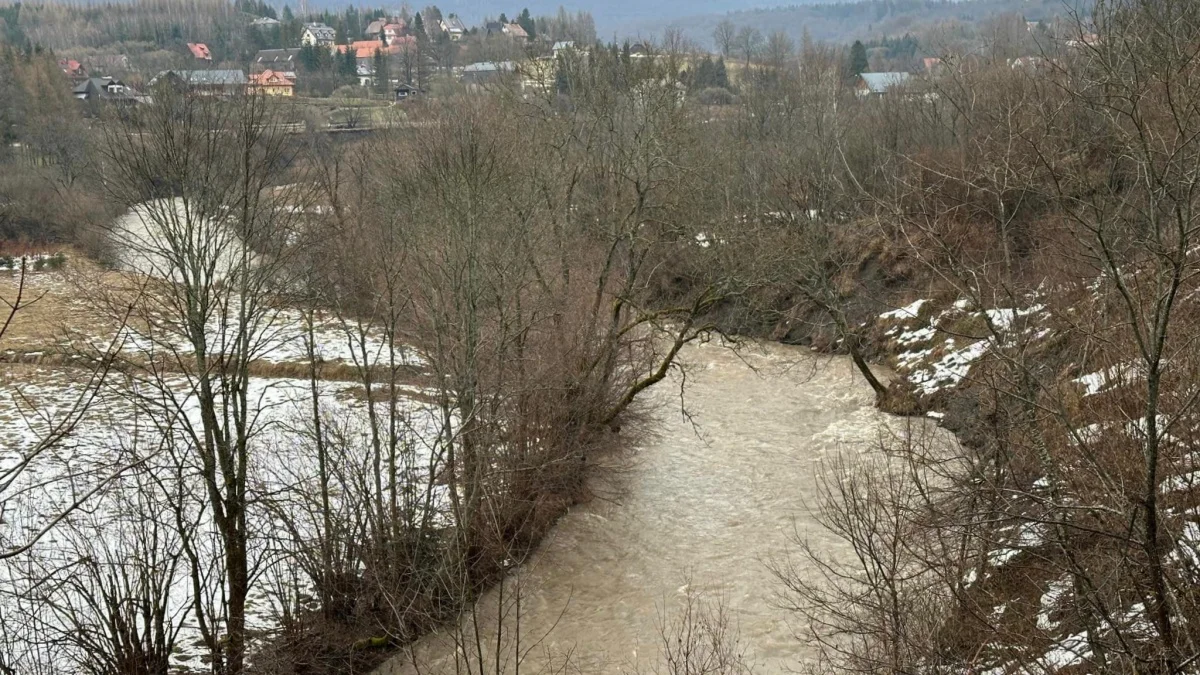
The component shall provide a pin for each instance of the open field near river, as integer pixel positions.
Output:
(117, 438)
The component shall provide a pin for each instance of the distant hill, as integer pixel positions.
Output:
(846, 21)
(624, 17)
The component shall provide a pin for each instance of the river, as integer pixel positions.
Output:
(708, 500)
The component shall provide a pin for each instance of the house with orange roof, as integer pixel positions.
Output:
(364, 50)
(271, 83)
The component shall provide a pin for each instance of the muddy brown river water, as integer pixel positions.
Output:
(699, 507)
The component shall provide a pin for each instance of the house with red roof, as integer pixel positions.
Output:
(72, 68)
(199, 51)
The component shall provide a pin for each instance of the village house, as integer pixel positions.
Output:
(375, 29)
(364, 54)
(271, 83)
(199, 51)
(72, 68)
(395, 30)
(318, 35)
(477, 75)
(562, 46)
(264, 22)
(108, 90)
(515, 31)
(279, 60)
(406, 92)
(365, 72)
(538, 74)
(364, 50)
(878, 84)
(206, 82)
(454, 27)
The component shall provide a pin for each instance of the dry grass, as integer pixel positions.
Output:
(58, 323)
(53, 308)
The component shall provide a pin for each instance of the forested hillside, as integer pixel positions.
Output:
(848, 21)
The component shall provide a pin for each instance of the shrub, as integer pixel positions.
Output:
(351, 91)
(715, 96)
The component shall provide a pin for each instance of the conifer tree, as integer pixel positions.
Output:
(858, 59)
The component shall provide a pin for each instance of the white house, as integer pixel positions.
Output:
(318, 35)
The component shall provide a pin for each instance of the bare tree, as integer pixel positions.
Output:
(725, 36)
(212, 224)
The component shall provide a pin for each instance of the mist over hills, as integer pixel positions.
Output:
(824, 20)
(842, 22)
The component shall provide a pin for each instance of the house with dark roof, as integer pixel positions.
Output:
(107, 90)
(279, 60)
(207, 82)
(375, 28)
(406, 92)
(318, 35)
(199, 51)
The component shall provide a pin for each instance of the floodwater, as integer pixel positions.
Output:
(701, 507)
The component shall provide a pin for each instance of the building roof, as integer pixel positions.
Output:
(515, 30)
(453, 24)
(563, 44)
(395, 27)
(70, 66)
(321, 32)
(102, 82)
(375, 27)
(271, 78)
(365, 49)
(205, 78)
(200, 51)
(878, 83)
(276, 58)
(264, 21)
(97, 89)
(488, 67)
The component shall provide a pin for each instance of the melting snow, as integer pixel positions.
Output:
(908, 312)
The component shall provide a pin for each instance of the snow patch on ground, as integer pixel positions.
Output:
(1056, 590)
(1025, 536)
(909, 311)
